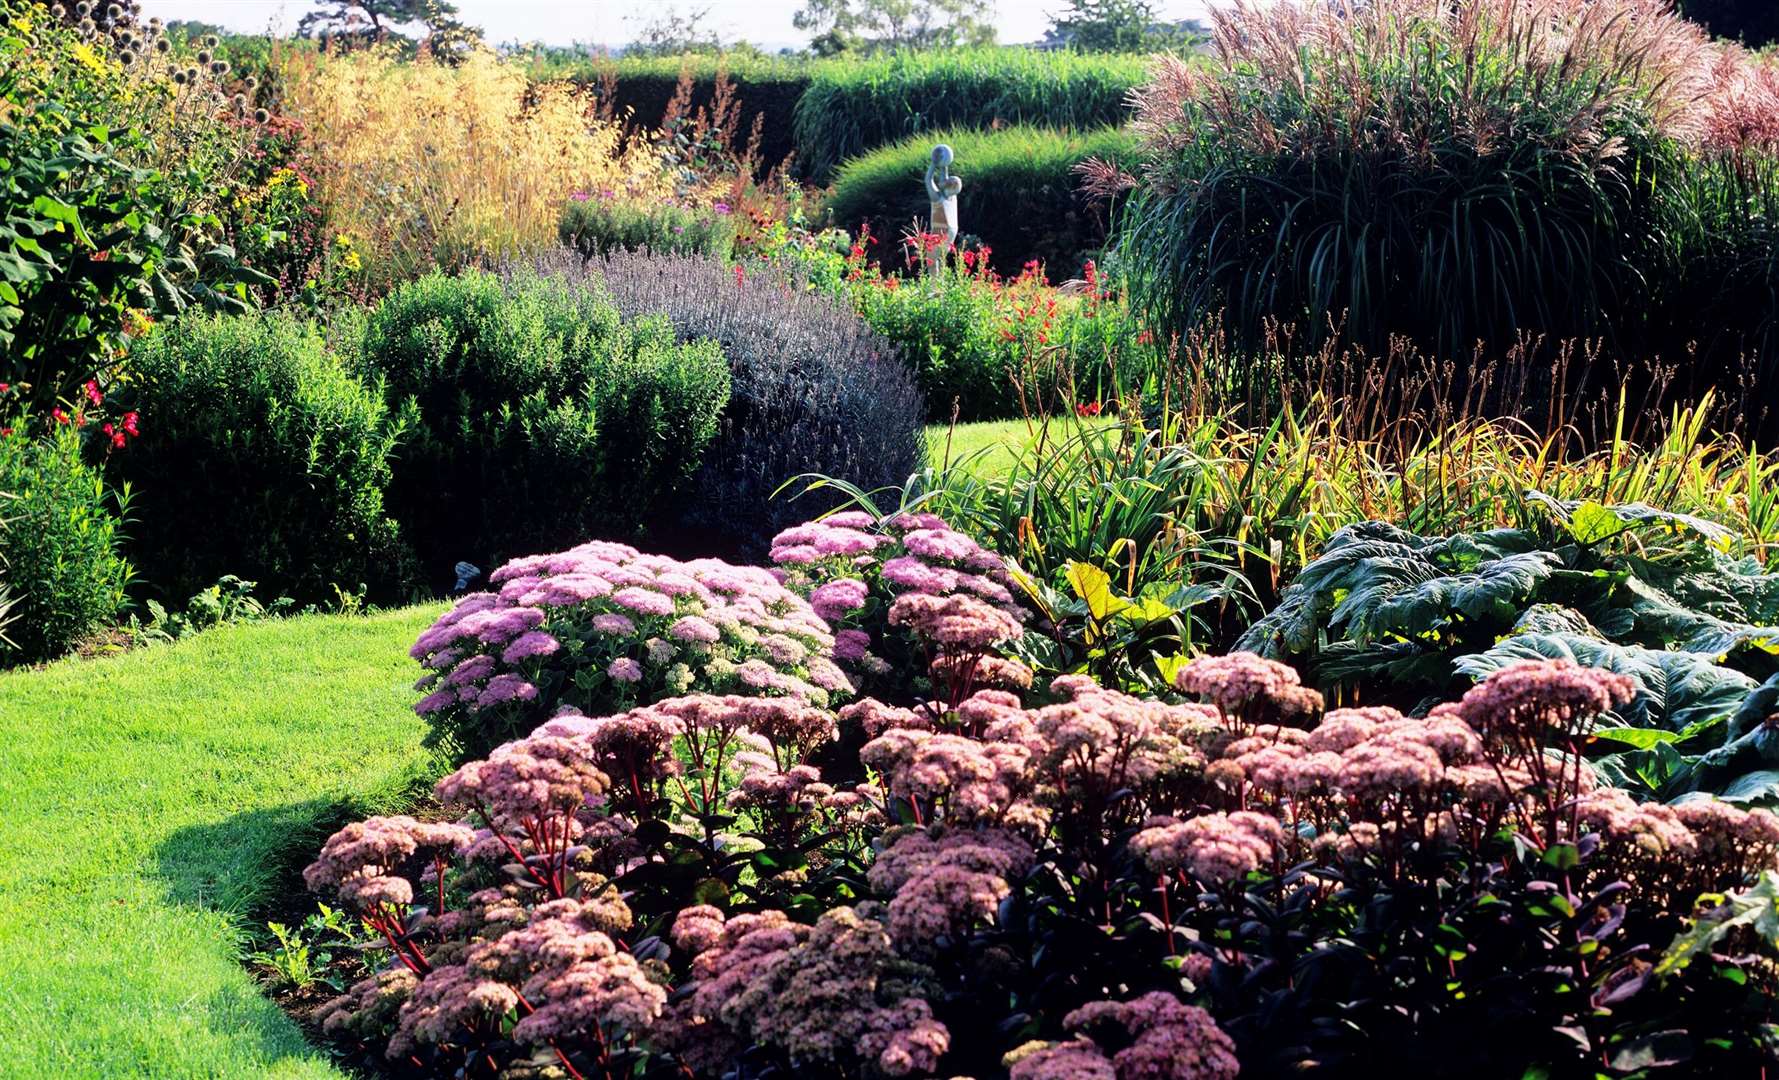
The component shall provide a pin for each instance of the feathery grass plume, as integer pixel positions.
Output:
(1452, 171)
(433, 164)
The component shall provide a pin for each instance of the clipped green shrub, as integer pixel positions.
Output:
(855, 105)
(1021, 194)
(61, 530)
(599, 226)
(261, 456)
(542, 417)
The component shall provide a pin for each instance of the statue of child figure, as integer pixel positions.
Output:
(942, 189)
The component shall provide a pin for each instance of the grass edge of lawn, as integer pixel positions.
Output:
(158, 799)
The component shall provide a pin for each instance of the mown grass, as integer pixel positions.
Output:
(990, 448)
(149, 801)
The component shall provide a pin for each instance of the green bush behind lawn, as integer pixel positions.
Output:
(151, 801)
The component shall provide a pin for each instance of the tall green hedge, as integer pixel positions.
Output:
(825, 111)
(855, 106)
(1028, 168)
(766, 87)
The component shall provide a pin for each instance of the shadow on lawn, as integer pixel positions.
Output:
(250, 865)
(247, 863)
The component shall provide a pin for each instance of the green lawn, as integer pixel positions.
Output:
(999, 442)
(147, 801)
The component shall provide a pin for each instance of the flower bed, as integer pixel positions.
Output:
(967, 874)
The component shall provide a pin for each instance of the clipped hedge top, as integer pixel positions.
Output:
(852, 107)
(827, 110)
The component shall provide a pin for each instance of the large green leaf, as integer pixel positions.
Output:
(1756, 907)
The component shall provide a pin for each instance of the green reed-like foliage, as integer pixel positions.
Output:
(1452, 172)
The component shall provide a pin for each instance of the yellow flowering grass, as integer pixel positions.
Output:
(426, 163)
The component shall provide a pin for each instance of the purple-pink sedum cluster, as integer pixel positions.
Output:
(604, 626)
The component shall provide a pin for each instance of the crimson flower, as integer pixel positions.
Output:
(92, 392)
(61, 416)
(1087, 408)
(131, 423)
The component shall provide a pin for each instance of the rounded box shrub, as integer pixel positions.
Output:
(542, 417)
(260, 456)
(61, 529)
(1021, 196)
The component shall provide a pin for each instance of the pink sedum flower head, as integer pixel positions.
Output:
(654, 627)
(856, 571)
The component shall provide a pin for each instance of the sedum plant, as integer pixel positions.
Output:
(603, 627)
(1085, 884)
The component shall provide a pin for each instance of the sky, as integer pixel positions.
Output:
(612, 22)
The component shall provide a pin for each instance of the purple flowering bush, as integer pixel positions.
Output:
(603, 627)
(1047, 883)
(918, 608)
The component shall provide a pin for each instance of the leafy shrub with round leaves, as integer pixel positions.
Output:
(61, 534)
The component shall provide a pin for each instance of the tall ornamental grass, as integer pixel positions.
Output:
(1453, 171)
(854, 106)
(425, 164)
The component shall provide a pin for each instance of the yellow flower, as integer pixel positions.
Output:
(85, 54)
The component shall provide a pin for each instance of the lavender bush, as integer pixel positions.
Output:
(812, 390)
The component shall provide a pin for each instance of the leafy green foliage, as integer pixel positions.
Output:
(542, 416)
(594, 225)
(1649, 594)
(230, 600)
(1031, 169)
(61, 535)
(854, 106)
(840, 26)
(1113, 26)
(1755, 909)
(102, 221)
(261, 456)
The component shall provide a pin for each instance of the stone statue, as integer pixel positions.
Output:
(942, 189)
